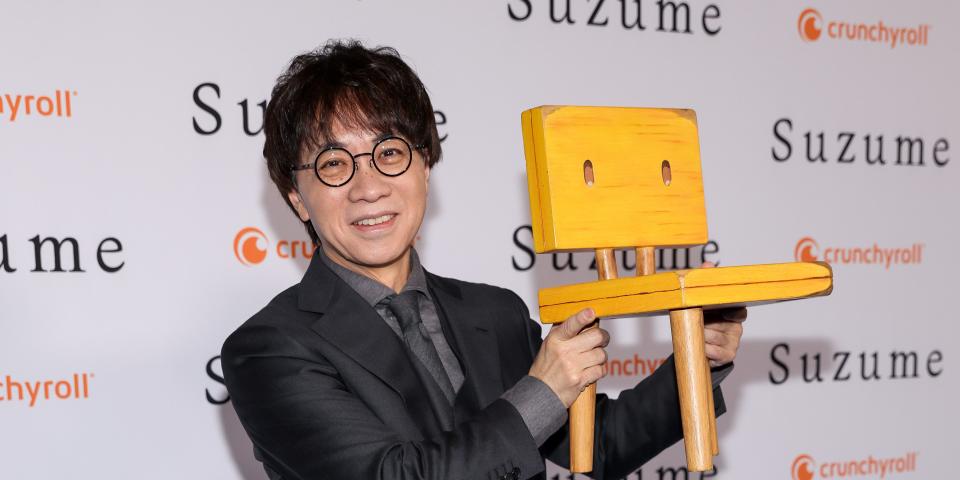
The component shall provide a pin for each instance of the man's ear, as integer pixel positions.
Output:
(297, 201)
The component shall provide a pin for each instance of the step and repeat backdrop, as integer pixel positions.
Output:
(138, 226)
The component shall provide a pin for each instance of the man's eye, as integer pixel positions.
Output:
(332, 164)
(391, 156)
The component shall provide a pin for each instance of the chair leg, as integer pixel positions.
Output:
(693, 380)
(714, 445)
(583, 408)
(582, 413)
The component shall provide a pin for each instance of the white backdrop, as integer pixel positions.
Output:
(112, 371)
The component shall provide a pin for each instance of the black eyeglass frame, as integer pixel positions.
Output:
(353, 158)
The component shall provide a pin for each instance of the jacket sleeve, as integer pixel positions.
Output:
(629, 430)
(307, 424)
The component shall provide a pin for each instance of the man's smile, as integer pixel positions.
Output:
(376, 220)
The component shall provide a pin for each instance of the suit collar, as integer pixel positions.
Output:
(318, 287)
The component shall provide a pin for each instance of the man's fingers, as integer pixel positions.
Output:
(588, 340)
(597, 356)
(572, 326)
(713, 337)
(718, 356)
(707, 265)
(735, 314)
(592, 374)
(733, 329)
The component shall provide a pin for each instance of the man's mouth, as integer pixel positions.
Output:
(369, 222)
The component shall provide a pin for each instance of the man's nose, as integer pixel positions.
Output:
(368, 184)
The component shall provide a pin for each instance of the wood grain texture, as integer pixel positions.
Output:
(711, 411)
(692, 374)
(629, 204)
(582, 413)
(658, 293)
(606, 264)
(583, 409)
(646, 261)
(535, 182)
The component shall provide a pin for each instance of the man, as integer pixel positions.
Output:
(373, 368)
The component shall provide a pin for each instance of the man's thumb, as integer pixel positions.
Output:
(572, 326)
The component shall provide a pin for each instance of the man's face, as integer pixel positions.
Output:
(394, 205)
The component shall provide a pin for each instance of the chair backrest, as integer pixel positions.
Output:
(613, 177)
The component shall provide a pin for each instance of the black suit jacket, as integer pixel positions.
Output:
(325, 390)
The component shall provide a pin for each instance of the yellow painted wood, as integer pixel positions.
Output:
(533, 180)
(628, 204)
(749, 294)
(621, 287)
(654, 303)
(658, 293)
(747, 274)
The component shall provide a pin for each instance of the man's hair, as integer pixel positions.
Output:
(345, 83)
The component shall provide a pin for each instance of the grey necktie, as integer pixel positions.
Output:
(405, 306)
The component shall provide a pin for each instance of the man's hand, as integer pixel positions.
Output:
(722, 330)
(571, 358)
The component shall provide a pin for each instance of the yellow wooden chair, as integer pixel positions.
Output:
(605, 178)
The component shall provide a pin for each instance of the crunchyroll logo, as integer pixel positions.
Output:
(810, 25)
(251, 247)
(808, 250)
(803, 468)
(246, 246)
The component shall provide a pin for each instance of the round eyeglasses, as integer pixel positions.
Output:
(336, 166)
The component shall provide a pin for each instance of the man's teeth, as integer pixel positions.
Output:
(375, 221)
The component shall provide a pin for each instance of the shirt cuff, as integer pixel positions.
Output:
(541, 409)
(717, 374)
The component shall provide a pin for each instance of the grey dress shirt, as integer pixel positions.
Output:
(539, 407)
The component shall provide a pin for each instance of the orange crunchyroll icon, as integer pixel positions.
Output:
(809, 25)
(806, 250)
(803, 468)
(246, 246)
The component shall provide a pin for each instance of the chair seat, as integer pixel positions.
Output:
(704, 287)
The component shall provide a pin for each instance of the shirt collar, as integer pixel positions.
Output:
(372, 291)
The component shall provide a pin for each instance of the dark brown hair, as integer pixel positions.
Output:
(343, 83)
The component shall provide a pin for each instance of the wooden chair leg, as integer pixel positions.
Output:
(714, 445)
(584, 407)
(582, 413)
(693, 379)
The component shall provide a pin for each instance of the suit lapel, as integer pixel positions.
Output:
(354, 327)
(474, 338)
